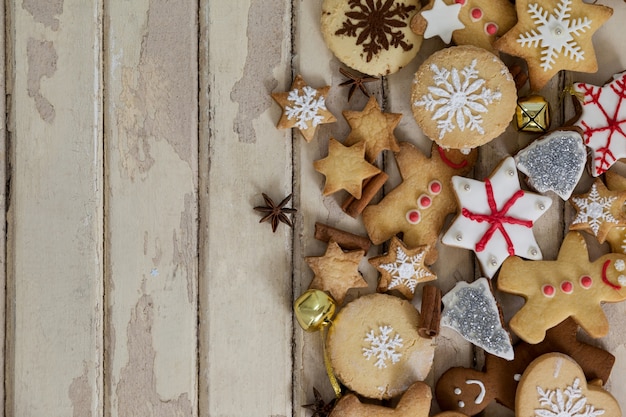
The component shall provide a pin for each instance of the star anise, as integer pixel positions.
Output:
(319, 407)
(276, 212)
(355, 82)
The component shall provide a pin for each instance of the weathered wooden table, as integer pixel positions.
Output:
(138, 136)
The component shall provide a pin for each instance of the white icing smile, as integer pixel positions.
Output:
(481, 396)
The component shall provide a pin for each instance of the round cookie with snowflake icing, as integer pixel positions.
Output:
(373, 37)
(463, 97)
(374, 347)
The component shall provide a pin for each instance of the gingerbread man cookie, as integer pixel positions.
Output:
(555, 385)
(461, 389)
(570, 286)
(419, 205)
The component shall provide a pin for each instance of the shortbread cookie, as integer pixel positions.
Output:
(469, 391)
(419, 205)
(373, 37)
(554, 385)
(554, 35)
(570, 286)
(617, 235)
(374, 347)
(345, 168)
(603, 121)
(472, 311)
(599, 211)
(402, 269)
(496, 218)
(463, 97)
(304, 108)
(336, 271)
(415, 402)
(554, 162)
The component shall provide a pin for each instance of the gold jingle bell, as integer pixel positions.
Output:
(314, 309)
(533, 114)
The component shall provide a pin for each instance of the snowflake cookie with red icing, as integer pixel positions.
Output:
(554, 385)
(496, 217)
(570, 286)
(603, 121)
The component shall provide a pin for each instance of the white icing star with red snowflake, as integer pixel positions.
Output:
(496, 218)
(603, 121)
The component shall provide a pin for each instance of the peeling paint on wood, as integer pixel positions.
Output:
(80, 394)
(42, 62)
(45, 12)
(184, 244)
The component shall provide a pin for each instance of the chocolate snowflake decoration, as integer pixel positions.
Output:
(376, 24)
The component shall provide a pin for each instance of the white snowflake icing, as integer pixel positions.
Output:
(460, 97)
(382, 346)
(306, 107)
(406, 270)
(594, 210)
(554, 33)
(569, 402)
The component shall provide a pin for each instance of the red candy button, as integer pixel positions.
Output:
(491, 28)
(567, 287)
(461, 2)
(476, 13)
(413, 216)
(424, 201)
(586, 281)
(548, 290)
(434, 187)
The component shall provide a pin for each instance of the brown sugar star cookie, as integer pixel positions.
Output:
(402, 268)
(599, 210)
(460, 389)
(554, 35)
(419, 205)
(373, 127)
(345, 168)
(336, 271)
(372, 37)
(374, 347)
(415, 402)
(570, 286)
(554, 385)
(304, 108)
(463, 97)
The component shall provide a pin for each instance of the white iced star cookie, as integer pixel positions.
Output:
(463, 97)
(440, 19)
(496, 218)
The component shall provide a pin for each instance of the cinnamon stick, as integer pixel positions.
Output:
(353, 207)
(431, 312)
(345, 240)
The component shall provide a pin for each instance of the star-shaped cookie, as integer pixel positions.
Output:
(345, 168)
(402, 268)
(570, 286)
(441, 19)
(554, 35)
(603, 121)
(374, 128)
(496, 217)
(336, 271)
(304, 108)
(599, 210)
(419, 205)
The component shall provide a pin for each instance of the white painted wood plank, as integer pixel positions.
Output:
(55, 218)
(246, 290)
(151, 146)
(3, 202)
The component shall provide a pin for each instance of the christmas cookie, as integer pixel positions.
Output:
(467, 22)
(617, 235)
(415, 402)
(599, 211)
(472, 311)
(554, 385)
(463, 97)
(554, 35)
(374, 128)
(374, 347)
(469, 391)
(402, 269)
(570, 286)
(555, 162)
(370, 36)
(603, 121)
(496, 218)
(304, 108)
(419, 205)
(336, 271)
(345, 168)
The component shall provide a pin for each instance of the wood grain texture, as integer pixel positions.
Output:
(3, 205)
(54, 350)
(151, 148)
